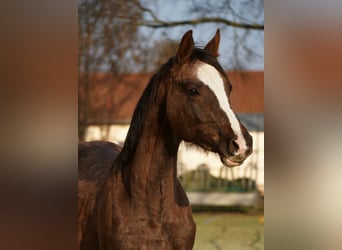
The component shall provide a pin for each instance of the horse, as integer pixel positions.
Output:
(130, 197)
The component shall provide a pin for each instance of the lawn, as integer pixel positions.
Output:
(228, 231)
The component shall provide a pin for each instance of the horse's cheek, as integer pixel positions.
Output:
(177, 114)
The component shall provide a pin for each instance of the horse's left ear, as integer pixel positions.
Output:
(185, 48)
(213, 46)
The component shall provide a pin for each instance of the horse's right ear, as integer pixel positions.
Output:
(213, 46)
(185, 48)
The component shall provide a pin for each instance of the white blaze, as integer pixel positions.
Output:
(212, 78)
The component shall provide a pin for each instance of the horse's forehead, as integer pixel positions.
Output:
(209, 74)
(211, 77)
(199, 67)
(186, 71)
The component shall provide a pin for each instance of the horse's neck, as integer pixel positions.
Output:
(151, 170)
(154, 162)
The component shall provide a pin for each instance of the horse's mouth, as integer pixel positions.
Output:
(229, 162)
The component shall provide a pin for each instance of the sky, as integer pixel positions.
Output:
(179, 10)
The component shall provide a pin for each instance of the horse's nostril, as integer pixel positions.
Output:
(233, 146)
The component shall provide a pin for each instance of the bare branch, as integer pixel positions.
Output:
(158, 23)
(164, 24)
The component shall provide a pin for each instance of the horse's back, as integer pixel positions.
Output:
(95, 159)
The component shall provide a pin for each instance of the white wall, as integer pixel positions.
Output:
(113, 133)
(189, 158)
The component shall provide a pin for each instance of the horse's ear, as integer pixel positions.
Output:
(185, 48)
(213, 46)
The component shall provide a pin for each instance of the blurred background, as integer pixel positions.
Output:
(122, 43)
(39, 89)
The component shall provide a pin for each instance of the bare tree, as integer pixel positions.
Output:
(243, 20)
(106, 42)
(211, 12)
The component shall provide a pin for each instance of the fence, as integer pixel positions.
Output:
(228, 189)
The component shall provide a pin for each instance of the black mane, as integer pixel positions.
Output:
(142, 108)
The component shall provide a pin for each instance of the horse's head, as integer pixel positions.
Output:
(198, 105)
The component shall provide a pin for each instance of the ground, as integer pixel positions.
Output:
(229, 231)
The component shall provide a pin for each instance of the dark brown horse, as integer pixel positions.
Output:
(130, 198)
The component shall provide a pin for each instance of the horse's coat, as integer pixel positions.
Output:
(130, 198)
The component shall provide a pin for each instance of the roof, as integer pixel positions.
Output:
(248, 91)
(112, 98)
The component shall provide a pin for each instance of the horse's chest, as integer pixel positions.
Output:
(145, 224)
(155, 235)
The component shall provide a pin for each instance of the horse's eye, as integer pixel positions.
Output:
(192, 92)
